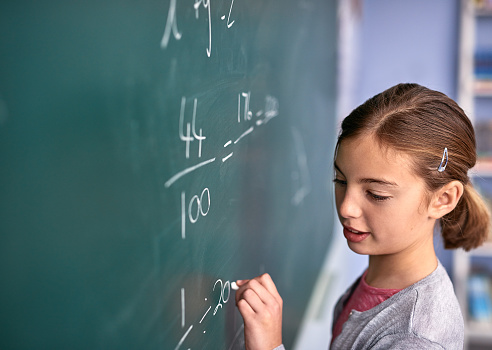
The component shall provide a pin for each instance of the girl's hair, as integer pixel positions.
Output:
(421, 122)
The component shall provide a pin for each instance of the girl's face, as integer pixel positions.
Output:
(380, 202)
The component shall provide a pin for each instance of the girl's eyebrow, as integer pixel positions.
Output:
(369, 180)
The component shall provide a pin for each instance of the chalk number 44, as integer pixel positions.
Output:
(190, 134)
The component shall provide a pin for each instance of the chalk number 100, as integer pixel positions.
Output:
(197, 206)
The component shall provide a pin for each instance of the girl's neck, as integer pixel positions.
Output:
(401, 270)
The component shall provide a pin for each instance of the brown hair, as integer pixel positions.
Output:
(421, 122)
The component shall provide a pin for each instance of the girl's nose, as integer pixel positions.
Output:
(349, 206)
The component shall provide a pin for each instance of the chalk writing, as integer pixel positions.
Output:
(183, 307)
(199, 209)
(183, 338)
(182, 173)
(172, 26)
(229, 23)
(190, 128)
(246, 113)
(192, 134)
(227, 157)
(271, 110)
(205, 314)
(244, 134)
(227, 144)
(223, 287)
(206, 5)
(199, 205)
(224, 296)
(192, 215)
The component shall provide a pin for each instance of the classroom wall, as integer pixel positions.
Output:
(408, 41)
(390, 42)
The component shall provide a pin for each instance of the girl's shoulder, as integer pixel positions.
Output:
(436, 312)
(430, 298)
(427, 310)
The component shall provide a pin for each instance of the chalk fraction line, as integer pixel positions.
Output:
(182, 173)
(205, 314)
(249, 131)
(186, 171)
(183, 338)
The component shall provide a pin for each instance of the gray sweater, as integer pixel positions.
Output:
(425, 315)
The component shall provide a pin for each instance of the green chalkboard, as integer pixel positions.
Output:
(150, 153)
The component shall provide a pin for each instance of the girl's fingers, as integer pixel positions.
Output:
(267, 282)
(245, 309)
(260, 306)
(258, 290)
(253, 300)
(266, 289)
(239, 292)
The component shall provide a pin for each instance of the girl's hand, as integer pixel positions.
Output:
(260, 305)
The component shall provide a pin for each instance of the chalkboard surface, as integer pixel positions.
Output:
(151, 152)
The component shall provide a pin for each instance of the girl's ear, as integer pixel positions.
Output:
(445, 199)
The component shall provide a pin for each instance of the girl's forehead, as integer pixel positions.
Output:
(366, 156)
(368, 146)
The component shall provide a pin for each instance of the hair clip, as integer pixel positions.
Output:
(444, 161)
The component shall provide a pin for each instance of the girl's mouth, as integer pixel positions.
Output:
(353, 235)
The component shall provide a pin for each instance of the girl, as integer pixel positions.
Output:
(401, 165)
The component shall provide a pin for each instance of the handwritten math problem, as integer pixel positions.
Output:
(192, 133)
(224, 296)
(198, 5)
(193, 136)
(188, 134)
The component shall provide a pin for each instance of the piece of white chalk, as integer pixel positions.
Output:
(234, 286)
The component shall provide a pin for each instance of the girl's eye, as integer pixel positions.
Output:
(377, 198)
(339, 182)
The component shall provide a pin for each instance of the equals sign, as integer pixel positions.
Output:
(228, 143)
(259, 114)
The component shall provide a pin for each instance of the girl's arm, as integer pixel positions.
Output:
(260, 305)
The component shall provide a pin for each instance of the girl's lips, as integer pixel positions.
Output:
(353, 235)
(354, 230)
